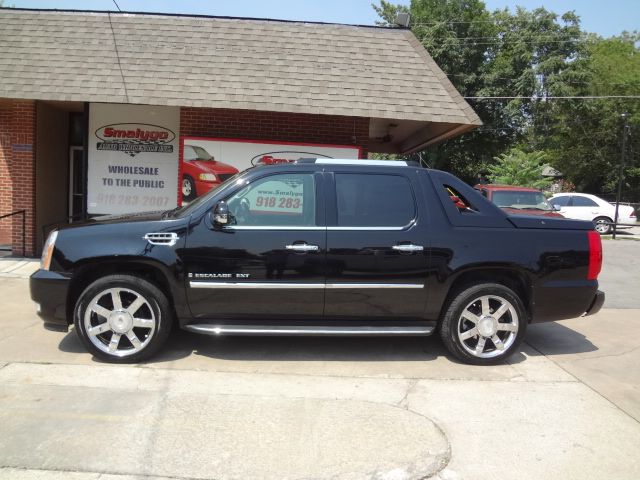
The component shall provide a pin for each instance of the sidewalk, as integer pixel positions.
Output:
(17, 267)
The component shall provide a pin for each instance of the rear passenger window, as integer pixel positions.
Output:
(583, 202)
(374, 200)
(463, 205)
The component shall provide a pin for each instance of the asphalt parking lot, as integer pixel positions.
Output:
(566, 406)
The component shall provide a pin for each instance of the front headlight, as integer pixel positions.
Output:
(47, 250)
(207, 177)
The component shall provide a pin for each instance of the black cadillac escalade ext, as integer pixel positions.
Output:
(321, 247)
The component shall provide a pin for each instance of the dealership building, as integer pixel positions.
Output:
(108, 112)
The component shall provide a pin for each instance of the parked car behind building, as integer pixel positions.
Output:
(582, 206)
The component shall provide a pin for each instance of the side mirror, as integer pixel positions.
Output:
(221, 213)
(556, 207)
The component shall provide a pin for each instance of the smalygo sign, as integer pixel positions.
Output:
(133, 158)
(133, 138)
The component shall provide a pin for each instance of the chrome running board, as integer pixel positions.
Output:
(312, 330)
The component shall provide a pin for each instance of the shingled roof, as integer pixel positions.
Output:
(379, 73)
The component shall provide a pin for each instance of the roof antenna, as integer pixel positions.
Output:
(117, 6)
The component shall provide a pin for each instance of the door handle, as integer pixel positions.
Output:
(408, 247)
(302, 247)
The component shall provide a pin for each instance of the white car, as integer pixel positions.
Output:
(582, 206)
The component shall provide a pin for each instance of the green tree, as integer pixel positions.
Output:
(387, 12)
(585, 135)
(440, 26)
(519, 168)
(500, 54)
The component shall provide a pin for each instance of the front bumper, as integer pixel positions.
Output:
(49, 290)
(596, 304)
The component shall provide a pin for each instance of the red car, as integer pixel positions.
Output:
(518, 200)
(201, 172)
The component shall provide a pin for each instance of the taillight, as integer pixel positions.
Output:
(633, 214)
(595, 255)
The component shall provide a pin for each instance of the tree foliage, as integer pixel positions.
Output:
(535, 54)
(585, 138)
(519, 168)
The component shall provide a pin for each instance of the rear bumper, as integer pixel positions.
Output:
(596, 304)
(561, 300)
(49, 291)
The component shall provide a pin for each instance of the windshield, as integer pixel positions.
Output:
(522, 200)
(193, 152)
(187, 209)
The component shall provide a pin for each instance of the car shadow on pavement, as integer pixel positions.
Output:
(554, 338)
(70, 343)
(315, 349)
(548, 339)
(364, 349)
(182, 344)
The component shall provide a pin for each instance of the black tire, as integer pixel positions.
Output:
(188, 188)
(469, 300)
(601, 225)
(156, 314)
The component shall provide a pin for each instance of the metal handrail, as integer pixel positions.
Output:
(24, 227)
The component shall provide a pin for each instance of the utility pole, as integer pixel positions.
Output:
(625, 134)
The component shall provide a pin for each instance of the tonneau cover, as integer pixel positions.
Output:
(530, 221)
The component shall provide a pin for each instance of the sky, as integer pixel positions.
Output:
(605, 17)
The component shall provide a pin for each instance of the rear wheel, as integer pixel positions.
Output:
(603, 225)
(484, 324)
(122, 318)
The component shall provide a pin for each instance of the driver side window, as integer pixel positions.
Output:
(279, 200)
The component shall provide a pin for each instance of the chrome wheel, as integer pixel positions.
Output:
(119, 322)
(602, 226)
(187, 188)
(488, 326)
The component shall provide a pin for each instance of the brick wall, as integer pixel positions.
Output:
(275, 126)
(17, 172)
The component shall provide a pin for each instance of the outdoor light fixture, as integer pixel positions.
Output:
(403, 19)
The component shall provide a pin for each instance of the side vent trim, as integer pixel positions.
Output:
(162, 238)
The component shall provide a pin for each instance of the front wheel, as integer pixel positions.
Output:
(122, 318)
(603, 225)
(484, 324)
(188, 188)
